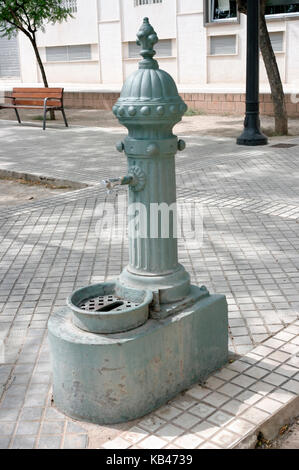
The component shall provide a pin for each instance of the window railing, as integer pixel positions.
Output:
(70, 5)
(138, 3)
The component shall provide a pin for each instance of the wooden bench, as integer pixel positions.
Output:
(36, 98)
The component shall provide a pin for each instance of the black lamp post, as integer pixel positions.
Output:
(252, 134)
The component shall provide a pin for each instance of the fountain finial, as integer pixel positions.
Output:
(147, 38)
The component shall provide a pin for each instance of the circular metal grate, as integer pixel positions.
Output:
(107, 303)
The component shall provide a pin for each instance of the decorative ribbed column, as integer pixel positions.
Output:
(149, 106)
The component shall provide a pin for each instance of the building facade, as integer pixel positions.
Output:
(202, 44)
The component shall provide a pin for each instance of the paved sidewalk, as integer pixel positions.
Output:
(250, 253)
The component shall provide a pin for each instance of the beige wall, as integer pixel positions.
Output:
(110, 24)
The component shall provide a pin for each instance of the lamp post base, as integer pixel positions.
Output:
(112, 378)
(252, 134)
(252, 137)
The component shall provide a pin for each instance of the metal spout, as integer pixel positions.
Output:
(113, 183)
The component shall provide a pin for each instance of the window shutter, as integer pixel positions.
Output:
(80, 52)
(56, 54)
(277, 41)
(9, 57)
(222, 45)
(68, 53)
(163, 49)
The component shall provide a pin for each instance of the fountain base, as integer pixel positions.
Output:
(112, 378)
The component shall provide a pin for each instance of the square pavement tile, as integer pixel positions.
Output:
(240, 426)
(28, 427)
(256, 372)
(279, 356)
(282, 395)
(239, 366)
(117, 443)
(151, 423)
(49, 442)
(243, 381)
(152, 442)
(225, 438)
(255, 415)
(220, 418)
(198, 392)
(275, 379)
(226, 374)
(262, 388)
(8, 414)
(268, 364)
(134, 435)
(51, 427)
(208, 446)
(75, 441)
(235, 407)
(6, 429)
(205, 429)
(213, 383)
(4, 442)
(183, 402)
(230, 389)
(168, 412)
(169, 432)
(186, 420)
(262, 351)
(202, 410)
(284, 336)
(23, 442)
(189, 441)
(216, 399)
(269, 405)
(292, 386)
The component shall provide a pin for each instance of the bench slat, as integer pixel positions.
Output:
(33, 102)
(37, 95)
(7, 106)
(38, 89)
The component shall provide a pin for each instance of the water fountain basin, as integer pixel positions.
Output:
(109, 307)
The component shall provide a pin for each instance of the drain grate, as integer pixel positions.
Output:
(106, 303)
(284, 146)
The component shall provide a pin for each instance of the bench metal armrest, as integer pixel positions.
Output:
(49, 98)
(9, 97)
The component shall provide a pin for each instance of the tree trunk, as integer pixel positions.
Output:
(278, 98)
(42, 69)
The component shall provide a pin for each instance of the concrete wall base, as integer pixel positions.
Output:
(113, 378)
(207, 103)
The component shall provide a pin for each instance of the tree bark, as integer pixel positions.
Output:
(42, 69)
(278, 98)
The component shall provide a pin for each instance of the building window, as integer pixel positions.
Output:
(138, 3)
(163, 49)
(71, 5)
(68, 53)
(222, 10)
(277, 41)
(280, 7)
(223, 45)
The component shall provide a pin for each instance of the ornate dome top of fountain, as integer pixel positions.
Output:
(149, 92)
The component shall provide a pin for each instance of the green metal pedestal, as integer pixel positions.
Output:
(108, 379)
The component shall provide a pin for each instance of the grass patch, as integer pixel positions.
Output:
(33, 183)
(194, 112)
(39, 118)
(270, 132)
